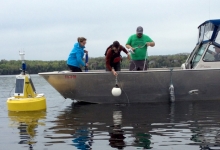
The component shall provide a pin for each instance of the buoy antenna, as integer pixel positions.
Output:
(21, 53)
(23, 66)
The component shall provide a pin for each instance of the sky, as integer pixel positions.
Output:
(48, 29)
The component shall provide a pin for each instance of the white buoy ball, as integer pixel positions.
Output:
(116, 91)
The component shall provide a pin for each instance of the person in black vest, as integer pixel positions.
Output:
(113, 57)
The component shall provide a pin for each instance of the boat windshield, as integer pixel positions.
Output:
(205, 32)
(217, 40)
(198, 55)
(212, 54)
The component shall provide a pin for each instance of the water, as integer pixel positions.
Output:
(69, 126)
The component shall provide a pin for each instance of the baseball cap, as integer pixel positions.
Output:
(139, 29)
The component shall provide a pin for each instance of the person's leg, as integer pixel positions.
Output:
(132, 66)
(141, 65)
(74, 69)
(106, 68)
(70, 67)
(117, 66)
(79, 69)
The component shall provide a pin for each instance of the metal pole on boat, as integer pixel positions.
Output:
(171, 88)
(86, 61)
(145, 58)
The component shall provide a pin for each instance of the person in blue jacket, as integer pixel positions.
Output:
(75, 59)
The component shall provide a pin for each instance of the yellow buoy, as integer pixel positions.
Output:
(25, 98)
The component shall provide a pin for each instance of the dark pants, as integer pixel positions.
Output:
(116, 66)
(74, 69)
(138, 65)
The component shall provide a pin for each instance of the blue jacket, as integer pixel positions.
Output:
(76, 56)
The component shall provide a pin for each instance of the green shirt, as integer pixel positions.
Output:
(136, 42)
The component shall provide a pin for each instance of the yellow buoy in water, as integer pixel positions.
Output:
(25, 97)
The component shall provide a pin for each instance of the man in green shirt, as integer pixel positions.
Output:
(138, 43)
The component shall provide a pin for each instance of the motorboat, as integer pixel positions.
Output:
(197, 79)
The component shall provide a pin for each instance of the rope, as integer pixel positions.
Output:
(116, 81)
(145, 59)
(171, 76)
(11, 91)
(128, 101)
(171, 88)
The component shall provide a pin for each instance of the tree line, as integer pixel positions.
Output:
(12, 67)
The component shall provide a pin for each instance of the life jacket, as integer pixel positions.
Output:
(116, 57)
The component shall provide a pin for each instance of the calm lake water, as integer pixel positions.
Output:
(67, 126)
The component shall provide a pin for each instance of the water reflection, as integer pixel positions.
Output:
(183, 125)
(207, 137)
(83, 138)
(143, 140)
(27, 122)
(122, 126)
(117, 137)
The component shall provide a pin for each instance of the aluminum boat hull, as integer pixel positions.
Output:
(137, 86)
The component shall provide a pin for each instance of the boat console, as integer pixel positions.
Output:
(206, 54)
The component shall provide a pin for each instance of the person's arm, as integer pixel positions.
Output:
(126, 52)
(128, 44)
(151, 44)
(123, 49)
(108, 59)
(114, 72)
(79, 58)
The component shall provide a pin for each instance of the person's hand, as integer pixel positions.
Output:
(129, 58)
(131, 50)
(87, 64)
(148, 43)
(114, 72)
(151, 44)
(85, 51)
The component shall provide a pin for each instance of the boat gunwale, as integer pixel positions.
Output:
(124, 72)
